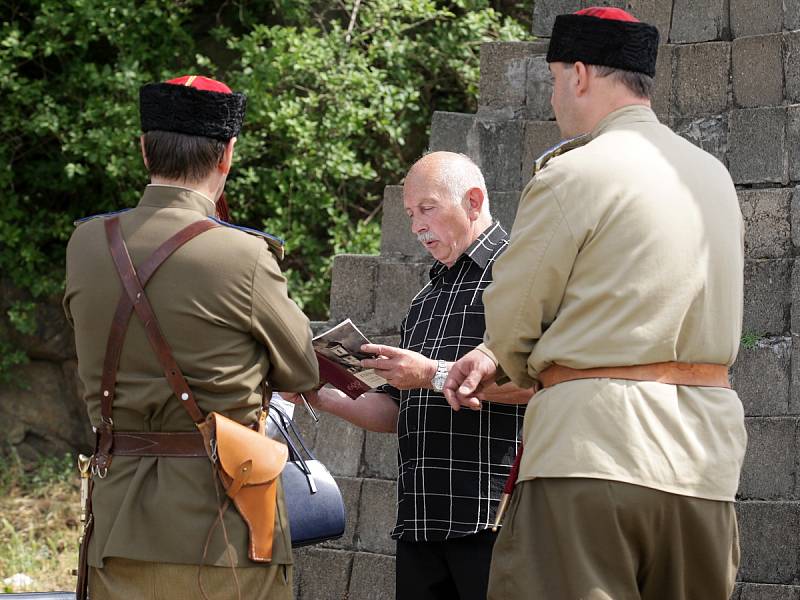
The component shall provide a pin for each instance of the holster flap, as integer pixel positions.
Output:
(237, 444)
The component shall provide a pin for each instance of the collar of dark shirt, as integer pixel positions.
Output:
(480, 251)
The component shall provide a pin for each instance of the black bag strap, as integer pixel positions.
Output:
(288, 425)
(284, 425)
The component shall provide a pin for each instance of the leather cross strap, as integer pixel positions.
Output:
(141, 305)
(175, 443)
(119, 324)
(674, 373)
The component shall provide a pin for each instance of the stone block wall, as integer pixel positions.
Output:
(728, 79)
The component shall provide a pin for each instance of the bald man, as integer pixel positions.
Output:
(452, 466)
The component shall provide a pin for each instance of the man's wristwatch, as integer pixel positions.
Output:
(437, 383)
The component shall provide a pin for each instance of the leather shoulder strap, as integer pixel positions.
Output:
(134, 297)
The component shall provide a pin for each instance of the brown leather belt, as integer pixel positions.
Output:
(187, 444)
(675, 373)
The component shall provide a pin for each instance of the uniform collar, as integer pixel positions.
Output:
(633, 113)
(480, 251)
(170, 196)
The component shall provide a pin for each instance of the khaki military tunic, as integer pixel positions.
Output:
(627, 250)
(222, 304)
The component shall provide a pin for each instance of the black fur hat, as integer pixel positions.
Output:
(605, 36)
(194, 106)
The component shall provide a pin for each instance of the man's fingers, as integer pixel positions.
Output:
(470, 384)
(379, 364)
(380, 350)
(451, 398)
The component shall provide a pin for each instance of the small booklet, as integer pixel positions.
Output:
(339, 354)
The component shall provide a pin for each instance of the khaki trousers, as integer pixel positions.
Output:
(124, 579)
(592, 539)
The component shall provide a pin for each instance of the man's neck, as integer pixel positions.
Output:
(206, 188)
(614, 106)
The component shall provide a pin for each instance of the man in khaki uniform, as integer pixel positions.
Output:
(222, 305)
(621, 292)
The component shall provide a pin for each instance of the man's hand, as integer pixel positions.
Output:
(508, 393)
(404, 369)
(465, 378)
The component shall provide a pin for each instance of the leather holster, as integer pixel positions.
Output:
(248, 464)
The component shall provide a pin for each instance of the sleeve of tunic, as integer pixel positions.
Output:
(529, 278)
(281, 326)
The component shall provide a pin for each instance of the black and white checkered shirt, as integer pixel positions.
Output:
(452, 465)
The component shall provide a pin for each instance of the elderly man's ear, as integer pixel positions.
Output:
(475, 203)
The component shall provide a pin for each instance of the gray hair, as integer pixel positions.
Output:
(458, 173)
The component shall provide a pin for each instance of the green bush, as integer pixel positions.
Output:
(339, 102)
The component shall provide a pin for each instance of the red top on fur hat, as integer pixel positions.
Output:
(606, 12)
(201, 83)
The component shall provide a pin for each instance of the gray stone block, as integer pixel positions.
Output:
(500, 154)
(694, 21)
(708, 133)
(398, 283)
(793, 141)
(353, 280)
(768, 222)
(322, 573)
(396, 236)
(373, 577)
(770, 463)
(794, 377)
(338, 445)
(546, 11)
(662, 92)
(794, 325)
(655, 12)
(767, 296)
(755, 18)
(538, 89)
(757, 145)
(757, 69)
(351, 494)
(791, 15)
(504, 208)
(765, 591)
(452, 132)
(768, 534)
(380, 456)
(794, 219)
(791, 65)
(701, 73)
(377, 516)
(539, 137)
(761, 377)
(504, 74)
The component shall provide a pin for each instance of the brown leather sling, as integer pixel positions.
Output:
(248, 476)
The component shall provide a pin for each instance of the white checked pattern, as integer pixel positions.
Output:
(452, 465)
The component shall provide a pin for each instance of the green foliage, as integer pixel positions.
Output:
(750, 340)
(34, 478)
(339, 101)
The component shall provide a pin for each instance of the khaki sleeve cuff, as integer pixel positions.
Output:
(500, 377)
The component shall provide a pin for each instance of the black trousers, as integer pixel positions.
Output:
(455, 569)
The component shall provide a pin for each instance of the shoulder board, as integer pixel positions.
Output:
(275, 243)
(77, 222)
(559, 149)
